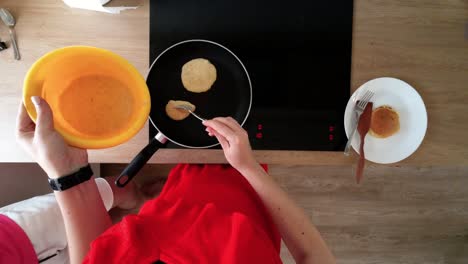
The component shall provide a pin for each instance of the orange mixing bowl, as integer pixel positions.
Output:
(98, 98)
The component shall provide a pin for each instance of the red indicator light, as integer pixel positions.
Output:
(259, 127)
(331, 128)
(259, 135)
(330, 137)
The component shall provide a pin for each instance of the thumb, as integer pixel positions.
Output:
(45, 119)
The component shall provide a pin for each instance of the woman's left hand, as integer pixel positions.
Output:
(46, 145)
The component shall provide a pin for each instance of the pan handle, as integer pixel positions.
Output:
(140, 160)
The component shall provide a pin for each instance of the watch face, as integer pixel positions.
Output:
(54, 184)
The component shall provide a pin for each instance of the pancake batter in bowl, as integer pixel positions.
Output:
(96, 105)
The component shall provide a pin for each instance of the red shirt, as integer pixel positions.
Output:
(205, 214)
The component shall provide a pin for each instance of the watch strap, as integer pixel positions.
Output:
(71, 180)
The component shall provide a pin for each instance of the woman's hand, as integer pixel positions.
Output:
(234, 140)
(44, 144)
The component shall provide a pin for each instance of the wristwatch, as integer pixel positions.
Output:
(68, 181)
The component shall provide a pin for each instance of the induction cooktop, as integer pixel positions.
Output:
(297, 53)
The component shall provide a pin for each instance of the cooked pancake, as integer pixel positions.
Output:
(176, 113)
(384, 122)
(198, 75)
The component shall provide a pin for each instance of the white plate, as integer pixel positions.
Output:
(413, 120)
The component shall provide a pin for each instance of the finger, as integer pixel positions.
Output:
(24, 128)
(210, 132)
(230, 122)
(45, 119)
(220, 128)
(23, 121)
(222, 140)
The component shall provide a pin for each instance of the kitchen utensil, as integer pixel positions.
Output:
(412, 115)
(9, 20)
(230, 95)
(190, 110)
(358, 109)
(363, 127)
(98, 98)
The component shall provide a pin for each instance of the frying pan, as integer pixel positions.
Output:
(230, 95)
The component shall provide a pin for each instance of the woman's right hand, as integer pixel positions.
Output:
(234, 140)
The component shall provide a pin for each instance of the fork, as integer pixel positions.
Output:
(358, 109)
(190, 110)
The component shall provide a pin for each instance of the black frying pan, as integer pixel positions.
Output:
(230, 95)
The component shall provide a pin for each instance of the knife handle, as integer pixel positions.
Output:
(362, 159)
(15, 45)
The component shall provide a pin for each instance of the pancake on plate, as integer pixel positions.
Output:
(385, 122)
(176, 113)
(198, 75)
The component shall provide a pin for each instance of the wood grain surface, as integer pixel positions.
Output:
(421, 42)
(401, 215)
(397, 215)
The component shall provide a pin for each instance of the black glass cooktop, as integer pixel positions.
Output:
(297, 53)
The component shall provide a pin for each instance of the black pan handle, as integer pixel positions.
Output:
(140, 160)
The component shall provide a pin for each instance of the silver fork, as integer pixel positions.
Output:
(190, 110)
(358, 109)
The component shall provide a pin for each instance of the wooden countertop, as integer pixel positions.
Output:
(424, 43)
